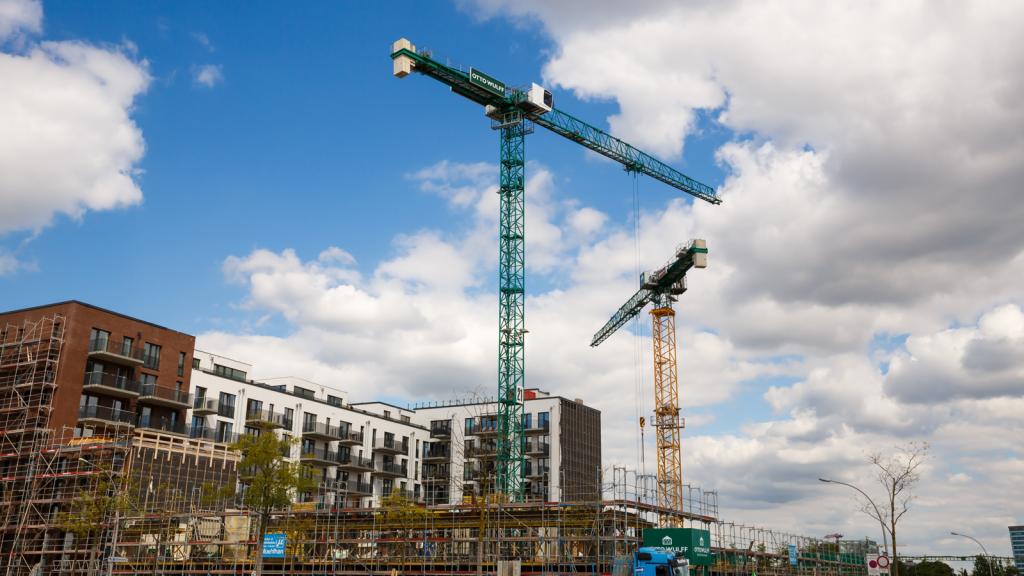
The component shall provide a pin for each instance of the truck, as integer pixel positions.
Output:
(651, 561)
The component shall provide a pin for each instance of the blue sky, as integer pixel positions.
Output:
(863, 289)
(307, 142)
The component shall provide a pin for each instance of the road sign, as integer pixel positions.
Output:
(878, 564)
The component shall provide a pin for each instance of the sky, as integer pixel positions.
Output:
(252, 173)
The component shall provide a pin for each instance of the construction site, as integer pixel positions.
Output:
(118, 495)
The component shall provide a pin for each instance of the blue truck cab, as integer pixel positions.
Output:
(659, 562)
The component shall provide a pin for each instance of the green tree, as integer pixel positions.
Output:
(269, 480)
(94, 510)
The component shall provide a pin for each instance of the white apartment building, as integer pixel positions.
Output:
(360, 455)
(562, 449)
(440, 453)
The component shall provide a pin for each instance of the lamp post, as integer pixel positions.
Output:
(885, 542)
(117, 518)
(988, 559)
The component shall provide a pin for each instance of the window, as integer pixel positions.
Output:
(252, 431)
(334, 401)
(229, 372)
(387, 413)
(253, 408)
(224, 429)
(200, 394)
(126, 346)
(226, 406)
(469, 425)
(527, 420)
(151, 356)
(303, 392)
(97, 339)
(308, 446)
(289, 417)
(181, 363)
(308, 422)
(198, 424)
(195, 363)
(147, 379)
(405, 418)
(542, 419)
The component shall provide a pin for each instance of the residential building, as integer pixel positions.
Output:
(1017, 545)
(360, 453)
(113, 371)
(562, 450)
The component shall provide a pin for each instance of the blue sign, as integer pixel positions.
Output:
(273, 545)
(792, 554)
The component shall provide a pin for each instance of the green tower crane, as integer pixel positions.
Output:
(514, 112)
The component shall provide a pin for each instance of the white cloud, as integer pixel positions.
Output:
(208, 75)
(69, 143)
(20, 16)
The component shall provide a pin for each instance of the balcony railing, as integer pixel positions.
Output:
(357, 487)
(202, 405)
(266, 418)
(321, 430)
(352, 461)
(212, 434)
(349, 437)
(165, 396)
(482, 427)
(391, 468)
(391, 445)
(538, 448)
(225, 410)
(538, 427)
(161, 424)
(121, 350)
(441, 431)
(483, 451)
(106, 414)
(436, 452)
(116, 384)
(319, 456)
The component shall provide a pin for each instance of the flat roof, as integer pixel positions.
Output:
(94, 307)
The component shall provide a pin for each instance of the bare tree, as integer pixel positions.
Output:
(898, 473)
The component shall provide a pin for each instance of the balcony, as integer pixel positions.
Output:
(357, 487)
(535, 471)
(441, 432)
(404, 494)
(437, 453)
(104, 416)
(120, 352)
(318, 431)
(482, 428)
(485, 451)
(110, 385)
(390, 470)
(211, 434)
(266, 419)
(168, 397)
(391, 446)
(319, 457)
(538, 449)
(204, 406)
(349, 438)
(538, 428)
(161, 425)
(436, 476)
(355, 463)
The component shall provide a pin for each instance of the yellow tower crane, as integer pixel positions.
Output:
(662, 287)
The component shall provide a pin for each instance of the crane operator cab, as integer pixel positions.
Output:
(538, 100)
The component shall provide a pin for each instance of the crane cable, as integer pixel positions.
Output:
(638, 371)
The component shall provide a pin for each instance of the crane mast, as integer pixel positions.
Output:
(514, 113)
(661, 288)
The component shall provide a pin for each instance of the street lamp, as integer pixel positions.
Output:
(987, 557)
(885, 542)
(117, 518)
